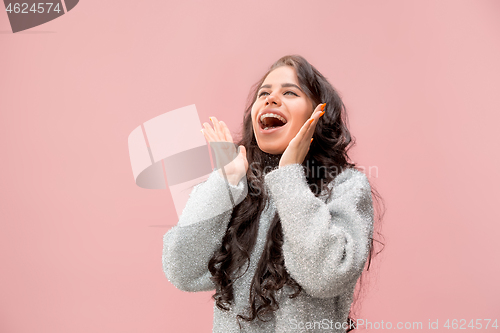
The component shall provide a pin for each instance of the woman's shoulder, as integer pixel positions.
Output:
(347, 179)
(352, 174)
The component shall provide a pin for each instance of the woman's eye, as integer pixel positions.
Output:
(291, 92)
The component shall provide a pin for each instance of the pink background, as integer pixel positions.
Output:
(80, 243)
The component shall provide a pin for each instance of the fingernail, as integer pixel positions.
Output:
(210, 119)
(322, 113)
(310, 121)
(201, 131)
(323, 106)
(312, 139)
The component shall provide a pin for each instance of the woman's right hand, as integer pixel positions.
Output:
(221, 141)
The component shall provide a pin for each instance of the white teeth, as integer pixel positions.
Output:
(273, 115)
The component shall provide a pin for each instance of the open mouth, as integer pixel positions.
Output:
(270, 121)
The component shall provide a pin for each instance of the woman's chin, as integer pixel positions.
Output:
(271, 149)
(268, 145)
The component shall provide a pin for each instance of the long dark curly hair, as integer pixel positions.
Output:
(328, 152)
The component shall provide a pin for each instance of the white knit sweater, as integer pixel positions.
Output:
(325, 247)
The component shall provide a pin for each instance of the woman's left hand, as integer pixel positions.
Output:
(299, 146)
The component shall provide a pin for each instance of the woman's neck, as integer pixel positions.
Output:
(271, 161)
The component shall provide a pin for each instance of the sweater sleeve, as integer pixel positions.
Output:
(325, 244)
(189, 245)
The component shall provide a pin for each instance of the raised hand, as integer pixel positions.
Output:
(235, 164)
(299, 146)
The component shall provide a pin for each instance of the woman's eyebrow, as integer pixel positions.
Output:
(282, 85)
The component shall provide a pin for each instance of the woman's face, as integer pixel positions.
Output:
(281, 95)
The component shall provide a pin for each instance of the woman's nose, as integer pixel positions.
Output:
(270, 99)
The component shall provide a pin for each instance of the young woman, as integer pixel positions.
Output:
(286, 256)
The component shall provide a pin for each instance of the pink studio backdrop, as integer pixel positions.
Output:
(81, 243)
